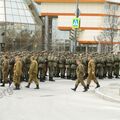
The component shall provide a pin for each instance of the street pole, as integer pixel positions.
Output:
(76, 29)
(5, 23)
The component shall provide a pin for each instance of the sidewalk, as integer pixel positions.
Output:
(110, 92)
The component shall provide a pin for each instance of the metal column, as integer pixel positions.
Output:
(46, 32)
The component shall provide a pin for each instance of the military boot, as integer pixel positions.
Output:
(3, 85)
(74, 89)
(28, 85)
(85, 89)
(98, 85)
(18, 87)
(37, 87)
(51, 79)
(87, 86)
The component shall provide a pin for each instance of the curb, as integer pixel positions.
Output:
(105, 97)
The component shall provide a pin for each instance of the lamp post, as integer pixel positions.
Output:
(76, 29)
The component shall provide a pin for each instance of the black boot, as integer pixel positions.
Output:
(3, 85)
(85, 89)
(28, 85)
(51, 79)
(87, 86)
(98, 85)
(74, 89)
(18, 87)
(37, 87)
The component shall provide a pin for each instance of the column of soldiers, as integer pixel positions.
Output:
(35, 66)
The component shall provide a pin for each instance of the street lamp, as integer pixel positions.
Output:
(76, 29)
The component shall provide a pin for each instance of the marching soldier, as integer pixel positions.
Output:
(62, 62)
(116, 66)
(110, 66)
(27, 66)
(80, 76)
(11, 67)
(17, 72)
(5, 70)
(85, 64)
(91, 72)
(73, 68)
(56, 66)
(51, 66)
(68, 67)
(1, 61)
(42, 67)
(33, 71)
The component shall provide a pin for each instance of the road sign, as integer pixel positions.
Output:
(76, 23)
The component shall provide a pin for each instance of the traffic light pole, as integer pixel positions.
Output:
(76, 29)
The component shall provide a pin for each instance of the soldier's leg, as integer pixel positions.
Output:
(76, 84)
(51, 74)
(68, 73)
(88, 82)
(96, 81)
(111, 71)
(36, 81)
(15, 81)
(3, 80)
(29, 81)
(83, 84)
(44, 74)
(62, 73)
(18, 82)
(58, 71)
(117, 71)
(101, 72)
(74, 74)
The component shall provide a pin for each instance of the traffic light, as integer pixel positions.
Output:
(72, 34)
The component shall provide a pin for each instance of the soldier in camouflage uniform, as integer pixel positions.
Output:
(17, 72)
(5, 69)
(33, 70)
(91, 72)
(51, 66)
(116, 66)
(1, 61)
(73, 68)
(99, 67)
(109, 64)
(11, 67)
(56, 66)
(85, 64)
(104, 66)
(41, 67)
(80, 75)
(68, 67)
(27, 66)
(62, 62)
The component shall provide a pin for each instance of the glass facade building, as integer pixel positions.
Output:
(15, 11)
(18, 27)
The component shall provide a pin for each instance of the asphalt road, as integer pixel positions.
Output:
(56, 101)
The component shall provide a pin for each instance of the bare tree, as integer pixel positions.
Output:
(111, 27)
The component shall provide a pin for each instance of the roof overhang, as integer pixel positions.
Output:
(68, 1)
